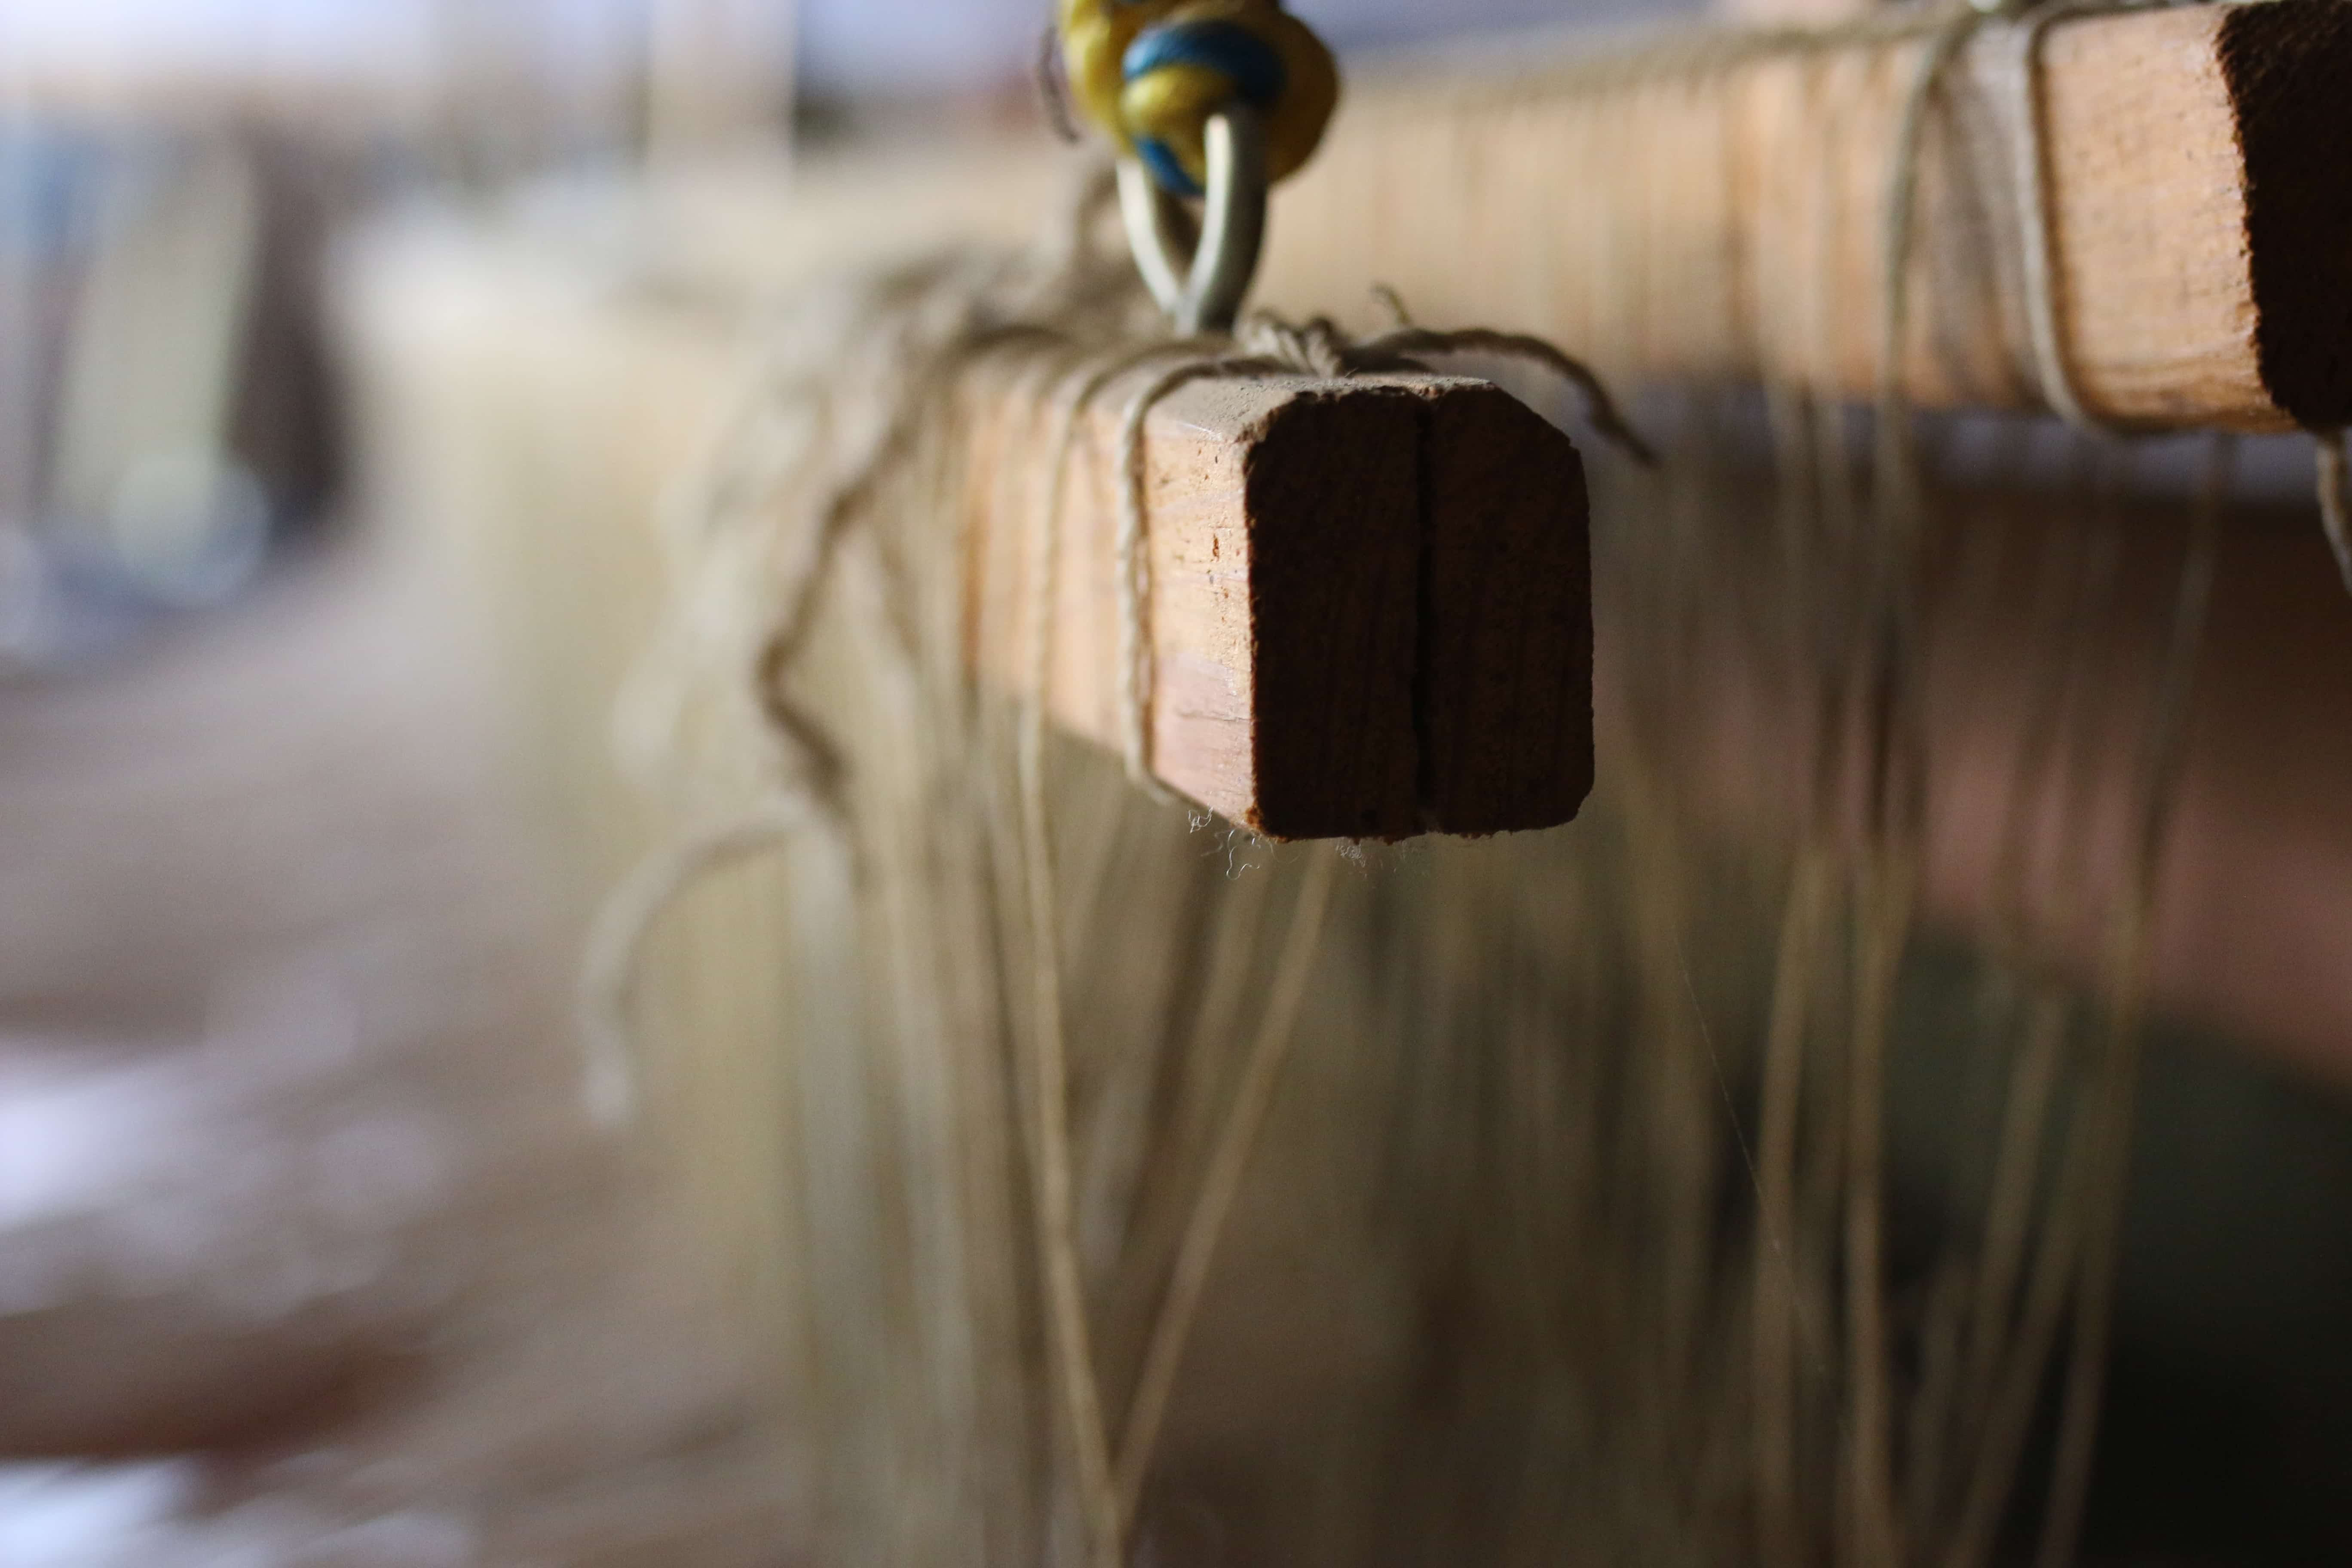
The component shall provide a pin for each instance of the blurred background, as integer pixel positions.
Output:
(302, 1238)
(343, 344)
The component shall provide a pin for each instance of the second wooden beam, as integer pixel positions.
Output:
(1714, 211)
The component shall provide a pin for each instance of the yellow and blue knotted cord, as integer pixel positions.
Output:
(1151, 73)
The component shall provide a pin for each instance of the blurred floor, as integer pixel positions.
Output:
(292, 1182)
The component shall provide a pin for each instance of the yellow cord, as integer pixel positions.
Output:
(1149, 73)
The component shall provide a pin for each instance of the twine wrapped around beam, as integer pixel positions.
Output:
(1046, 1152)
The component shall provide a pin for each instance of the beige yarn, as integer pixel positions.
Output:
(1080, 1092)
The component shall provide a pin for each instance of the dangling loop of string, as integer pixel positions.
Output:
(612, 959)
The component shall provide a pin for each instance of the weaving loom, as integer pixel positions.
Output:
(1159, 1182)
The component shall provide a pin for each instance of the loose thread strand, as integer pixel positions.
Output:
(1236, 1136)
(2335, 499)
(2157, 784)
(1055, 1209)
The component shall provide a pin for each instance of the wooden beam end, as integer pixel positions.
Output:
(2287, 65)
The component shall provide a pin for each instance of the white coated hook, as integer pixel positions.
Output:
(1204, 294)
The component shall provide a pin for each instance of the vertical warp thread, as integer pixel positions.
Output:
(1135, 718)
(1055, 1223)
(2335, 499)
(1236, 1135)
(2156, 784)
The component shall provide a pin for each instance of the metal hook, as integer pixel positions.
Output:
(1204, 294)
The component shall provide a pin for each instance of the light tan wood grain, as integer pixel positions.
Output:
(1728, 223)
(2150, 245)
(1201, 548)
(1315, 671)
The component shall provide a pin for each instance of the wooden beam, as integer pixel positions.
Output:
(1370, 606)
(1726, 223)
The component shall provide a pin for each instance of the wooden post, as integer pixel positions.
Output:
(1721, 223)
(1370, 605)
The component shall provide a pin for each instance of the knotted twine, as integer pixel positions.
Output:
(935, 322)
(1071, 300)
